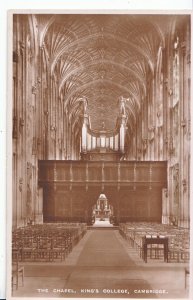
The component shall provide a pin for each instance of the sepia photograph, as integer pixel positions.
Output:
(100, 110)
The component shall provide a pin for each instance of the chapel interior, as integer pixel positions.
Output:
(101, 155)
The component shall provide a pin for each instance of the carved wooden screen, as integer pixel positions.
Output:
(71, 189)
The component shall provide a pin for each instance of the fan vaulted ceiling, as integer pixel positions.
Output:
(102, 57)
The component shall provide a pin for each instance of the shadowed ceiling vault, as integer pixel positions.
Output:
(102, 58)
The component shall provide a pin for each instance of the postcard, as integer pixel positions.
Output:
(100, 131)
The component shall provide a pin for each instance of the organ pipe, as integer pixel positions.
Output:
(122, 138)
(84, 137)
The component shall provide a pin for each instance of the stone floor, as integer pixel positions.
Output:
(103, 265)
(99, 223)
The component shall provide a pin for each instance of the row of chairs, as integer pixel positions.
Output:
(178, 239)
(45, 242)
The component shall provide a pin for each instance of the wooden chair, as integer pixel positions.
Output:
(187, 277)
(17, 270)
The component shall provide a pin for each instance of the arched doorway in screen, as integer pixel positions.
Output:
(102, 212)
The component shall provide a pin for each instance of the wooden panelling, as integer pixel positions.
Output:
(61, 175)
(154, 172)
(48, 206)
(133, 189)
(78, 172)
(62, 204)
(110, 172)
(142, 172)
(94, 172)
(127, 172)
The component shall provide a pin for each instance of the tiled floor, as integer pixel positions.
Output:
(103, 265)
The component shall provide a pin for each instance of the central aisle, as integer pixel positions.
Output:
(104, 249)
(105, 269)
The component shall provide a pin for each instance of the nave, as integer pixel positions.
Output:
(103, 264)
